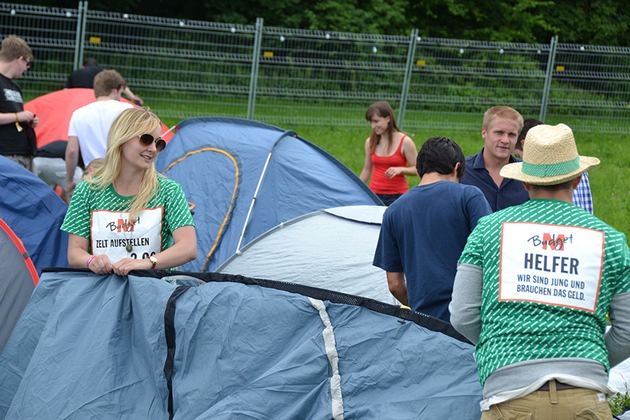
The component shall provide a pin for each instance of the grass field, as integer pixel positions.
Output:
(609, 180)
(611, 195)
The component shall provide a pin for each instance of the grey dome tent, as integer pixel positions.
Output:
(331, 249)
(139, 347)
(19, 278)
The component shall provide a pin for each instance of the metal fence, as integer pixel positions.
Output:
(187, 68)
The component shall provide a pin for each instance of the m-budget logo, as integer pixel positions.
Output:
(122, 225)
(551, 241)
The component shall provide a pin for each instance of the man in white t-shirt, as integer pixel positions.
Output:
(90, 124)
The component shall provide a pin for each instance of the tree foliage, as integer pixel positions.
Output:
(372, 16)
(510, 21)
(594, 22)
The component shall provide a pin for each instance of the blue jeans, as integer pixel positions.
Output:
(388, 199)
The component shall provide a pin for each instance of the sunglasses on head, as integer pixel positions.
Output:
(148, 139)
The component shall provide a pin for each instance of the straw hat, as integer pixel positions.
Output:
(550, 157)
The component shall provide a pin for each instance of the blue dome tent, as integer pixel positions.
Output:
(35, 213)
(226, 347)
(246, 177)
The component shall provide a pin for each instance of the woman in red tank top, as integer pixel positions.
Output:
(389, 154)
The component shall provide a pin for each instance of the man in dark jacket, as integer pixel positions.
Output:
(84, 78)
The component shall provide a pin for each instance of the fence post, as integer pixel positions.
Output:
(547, 88)
(253, 80)
(78, 44)
(411, 53)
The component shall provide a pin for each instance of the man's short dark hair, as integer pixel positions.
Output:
(527, 124)
(89, 62)
(440, 154)
(566, 185)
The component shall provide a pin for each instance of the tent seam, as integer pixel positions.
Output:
(333, 358)
(170, 338)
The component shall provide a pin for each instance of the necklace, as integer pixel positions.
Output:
(127, 227)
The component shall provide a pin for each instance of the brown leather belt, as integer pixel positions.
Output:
(559, 386)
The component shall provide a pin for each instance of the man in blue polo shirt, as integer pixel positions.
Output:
(501, 125)
(424, 232)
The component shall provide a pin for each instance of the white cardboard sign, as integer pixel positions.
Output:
(551, 264)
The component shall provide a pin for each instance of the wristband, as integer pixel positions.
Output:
(18, 127)
(89, 261)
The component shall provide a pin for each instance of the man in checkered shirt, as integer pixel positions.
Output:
(582, 194)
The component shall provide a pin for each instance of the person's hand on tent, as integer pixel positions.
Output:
(79, 257)
(100, 264)
(124, 266)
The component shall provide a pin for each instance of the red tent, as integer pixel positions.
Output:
(19, 278)
(55, 109)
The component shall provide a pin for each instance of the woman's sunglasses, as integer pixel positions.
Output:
(148, 139)
(29, 64)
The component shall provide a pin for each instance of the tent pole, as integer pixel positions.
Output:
(260, 180)
(169, 130)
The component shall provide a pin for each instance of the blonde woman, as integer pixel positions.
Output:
(127, 216)
(390, 155)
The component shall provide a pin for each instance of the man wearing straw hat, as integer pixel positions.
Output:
(533, 287)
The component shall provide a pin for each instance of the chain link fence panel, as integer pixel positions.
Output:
(283, 76)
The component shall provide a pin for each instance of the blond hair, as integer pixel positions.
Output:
(502, 112)
(132, 122)
(14, 48)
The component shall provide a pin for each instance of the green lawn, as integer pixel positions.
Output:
(611, 195)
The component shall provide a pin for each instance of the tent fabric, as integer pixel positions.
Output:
(246, 177)
(35, 213)
(90, 346)
(55, 109)
(331, 249)
(17, 282)
(619, 379)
